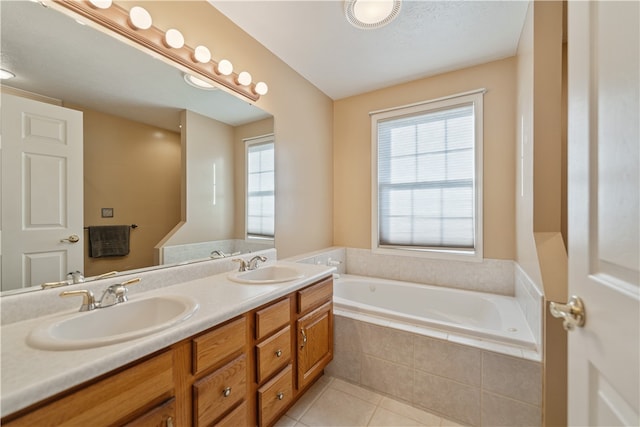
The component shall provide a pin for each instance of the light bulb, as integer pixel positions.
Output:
(224, 67)
(202, 54)
(372, 11)
(139, 18)
(173, 38)
(244, 79)
(261, 88)
(101, 4)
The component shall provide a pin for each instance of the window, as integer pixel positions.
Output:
(260, 188)
(427, 169)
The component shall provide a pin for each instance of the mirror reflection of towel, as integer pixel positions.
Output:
(109, 240)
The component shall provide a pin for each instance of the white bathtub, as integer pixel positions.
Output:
(484, 316)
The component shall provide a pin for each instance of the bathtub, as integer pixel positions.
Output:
(478, 315)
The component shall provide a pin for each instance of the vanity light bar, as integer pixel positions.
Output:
(170, 44)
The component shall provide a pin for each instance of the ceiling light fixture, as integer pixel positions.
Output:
(6, 74)
(198, 83)
(371, 14)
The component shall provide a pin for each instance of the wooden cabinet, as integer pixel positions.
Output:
(245, 372)
(315, 343)
(116, 398)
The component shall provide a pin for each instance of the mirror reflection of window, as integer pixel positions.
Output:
(260, 188)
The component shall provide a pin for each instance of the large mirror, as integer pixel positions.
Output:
(164, 158)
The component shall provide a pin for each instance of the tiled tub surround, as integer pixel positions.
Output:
(489, 321)
(469, 385)
(471, 380)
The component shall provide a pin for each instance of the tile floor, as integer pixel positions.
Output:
(334, 402)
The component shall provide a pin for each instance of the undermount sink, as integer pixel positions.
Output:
(267, 274)
(105, 326)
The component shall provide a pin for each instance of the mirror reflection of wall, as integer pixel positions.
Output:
(135, 169)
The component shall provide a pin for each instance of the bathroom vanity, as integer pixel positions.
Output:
(246, 367)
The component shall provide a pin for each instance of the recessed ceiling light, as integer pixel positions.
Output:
(6, 74)
(198, 83)
(371, 14)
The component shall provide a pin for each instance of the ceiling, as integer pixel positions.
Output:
(53, 55)
(427, 38)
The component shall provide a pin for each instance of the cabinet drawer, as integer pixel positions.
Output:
(273, 353)
(236, 418)
(220, 391)
(111, 399)
(213, 347)
(272, 318)
(315, 295)
(274, 396)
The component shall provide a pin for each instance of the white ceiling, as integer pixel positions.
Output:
(53, 55)
(427, 38)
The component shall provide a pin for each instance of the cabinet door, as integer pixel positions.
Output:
(163, 415)
(315, 343)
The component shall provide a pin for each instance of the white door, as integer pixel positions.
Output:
(604, 213)
(42, 192)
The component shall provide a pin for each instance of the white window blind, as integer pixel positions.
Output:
(426, 177)
(260, 190)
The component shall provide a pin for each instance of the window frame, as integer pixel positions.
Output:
(249, 142)
(476, 99)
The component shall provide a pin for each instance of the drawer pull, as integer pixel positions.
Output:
(278, 353)
(226, 392)
(169, 422)
(304, 337)
(280, 396)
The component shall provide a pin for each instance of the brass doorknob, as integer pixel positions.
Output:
(572, 313)
(74, 238)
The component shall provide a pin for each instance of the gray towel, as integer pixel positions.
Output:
(109, 240)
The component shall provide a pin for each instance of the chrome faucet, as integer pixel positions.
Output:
(217, 254)
(253, 262)
(114, 294)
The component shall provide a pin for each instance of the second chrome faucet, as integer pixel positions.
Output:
(252, 264)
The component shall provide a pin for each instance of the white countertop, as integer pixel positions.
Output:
(29, 375)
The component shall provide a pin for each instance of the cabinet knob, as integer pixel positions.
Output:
(280, 396)
(169, 422)
(304, 337)
(226, 392)
(278, 353)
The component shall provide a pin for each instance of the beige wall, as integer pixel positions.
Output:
(303, 122)
(352, 152)
(541, 173)
(134, 169)
(207, 145)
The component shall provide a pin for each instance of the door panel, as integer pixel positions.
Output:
(604, 211)
(42, 192)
